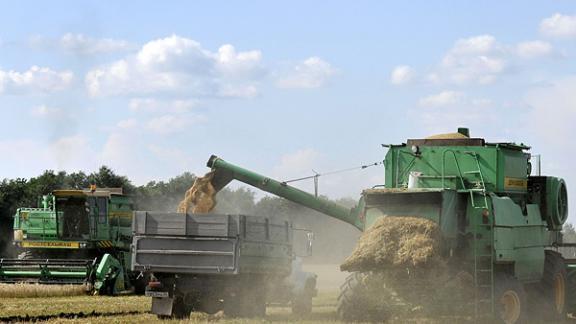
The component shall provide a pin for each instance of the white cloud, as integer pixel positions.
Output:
(310, 73)
(234, 65)
(446, 119)
(558, 25)
(452, 98)
(84, 45)
(169, 124)
(402, 74)
(553, 111)
(44, 111)
(127, 123)
(482, 60)
(73, 153)
(443, 98)
(34, 80)
(533, 49)
(171, 155)
(296, 164)
(122, 153)
(150, 105)
(478, 59)
(178, 65)
(447, 110)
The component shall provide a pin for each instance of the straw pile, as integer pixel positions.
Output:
(200, 196)
(21, 290)
(396, 242)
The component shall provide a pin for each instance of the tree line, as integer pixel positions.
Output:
(334, 240)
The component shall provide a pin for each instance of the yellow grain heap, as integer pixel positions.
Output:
(396, 242)
(447, 136)
(200, 196)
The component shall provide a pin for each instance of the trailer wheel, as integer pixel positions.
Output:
(139, 283)
(180, 310)
(246, 300)
(354, 302)
(302, 303)
(509, 300)
(554, 287)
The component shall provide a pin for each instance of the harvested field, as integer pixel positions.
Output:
(23, 290)
(396, 242)
(134, 309)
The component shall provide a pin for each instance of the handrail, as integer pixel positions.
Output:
(457, 167)
(400, 174)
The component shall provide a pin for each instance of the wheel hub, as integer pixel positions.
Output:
(510, 302)
(559, 292)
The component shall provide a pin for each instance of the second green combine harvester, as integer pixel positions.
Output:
(499, 224)
(74, 237)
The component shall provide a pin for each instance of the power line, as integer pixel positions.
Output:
(317, 175)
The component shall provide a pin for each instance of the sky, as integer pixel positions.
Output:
(286, 89)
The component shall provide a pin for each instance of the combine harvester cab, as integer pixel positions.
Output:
(74, 237)
(500, 227)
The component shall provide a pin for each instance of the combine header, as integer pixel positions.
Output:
(74, 237)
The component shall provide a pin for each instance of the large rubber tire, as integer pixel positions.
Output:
(509, 300)
(180, 310)
(302, 303)
(302, 306)
(140, 283)
(356, 303)
(211, 306)
(248, 300)
(554, 288)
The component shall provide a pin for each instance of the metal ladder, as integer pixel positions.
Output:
(483, 240)
(483, 248)
(483, 268)
(480, 189)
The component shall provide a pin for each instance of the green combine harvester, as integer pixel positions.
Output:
(500, 225)
(74, 237)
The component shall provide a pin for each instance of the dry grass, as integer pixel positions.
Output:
(399, 242)
(73, 304)
(324, 311)
(111, 308)
(24, 290)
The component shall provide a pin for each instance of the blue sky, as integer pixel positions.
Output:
(153, 90)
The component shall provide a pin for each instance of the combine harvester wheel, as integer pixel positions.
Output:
(510, 300)
(553, 287)
(356, 303)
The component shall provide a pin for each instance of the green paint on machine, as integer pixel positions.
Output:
(76, 237)
(499, 223)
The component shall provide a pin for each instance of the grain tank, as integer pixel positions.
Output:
(500, 225)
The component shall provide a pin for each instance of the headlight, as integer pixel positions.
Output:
(18, 235)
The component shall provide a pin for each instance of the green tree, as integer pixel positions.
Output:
(106, 178)
(569, 233)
